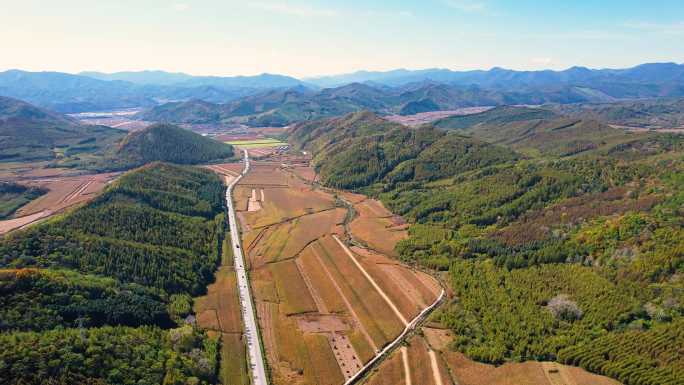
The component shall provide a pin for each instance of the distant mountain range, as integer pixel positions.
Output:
(398, 91)
(69, 93)
(655, 73)
(285, 106)
(184, 80)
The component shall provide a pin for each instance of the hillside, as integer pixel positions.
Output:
(29, 133)
(13, 196)
(657, 113)
(499, 115)
(286, 106)
(115, 278)
(536, 131)
(361, 148)
(167, 143)
(569, 259)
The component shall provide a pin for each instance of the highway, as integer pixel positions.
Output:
(256, 358)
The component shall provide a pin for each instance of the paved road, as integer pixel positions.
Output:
(256, 358)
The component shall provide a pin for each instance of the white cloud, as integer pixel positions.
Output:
(542, 60)
(465, 5)
(662, 28)
(180, 7)
(293, 10)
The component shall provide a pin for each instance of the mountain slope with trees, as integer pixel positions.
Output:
(166, 143)
(29, 133)
(573, 257)
(99, 294)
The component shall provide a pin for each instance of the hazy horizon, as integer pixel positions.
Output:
(305, 77)
(318, 38)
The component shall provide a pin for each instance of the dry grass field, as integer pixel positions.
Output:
(376, 226)
(320, 314)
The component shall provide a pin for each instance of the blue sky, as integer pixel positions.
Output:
(308, 38)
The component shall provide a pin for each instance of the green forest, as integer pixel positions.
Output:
(563, 239)
(99, 295)
(160, 142)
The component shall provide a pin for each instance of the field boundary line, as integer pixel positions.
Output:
(435, 368)
(407, 368)
(372, 281)
(290, 219)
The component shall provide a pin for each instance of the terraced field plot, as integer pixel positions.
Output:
(324, 309)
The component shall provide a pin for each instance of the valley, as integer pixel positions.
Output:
(324, 308)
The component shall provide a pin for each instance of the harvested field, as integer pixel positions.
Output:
(377, 317)
(323, 283)
(287, 203)
(377, 227)
(423, 366)
(17, 223)
(231, 169)
(63, 192)
(261, 152)
(219, 312)
(234, 367)
(256, 143)
(347, 359)
(427, 117)
(292, 290)
(304, 172)
(287, 240)
(391, 372)
(321, 316)
(20, 171)
(254, 204)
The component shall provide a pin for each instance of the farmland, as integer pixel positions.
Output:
(257, 143)
(219, 312)
(61, 192)
(326, 304)
(428, 360)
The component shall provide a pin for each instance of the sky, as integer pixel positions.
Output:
(306, 38)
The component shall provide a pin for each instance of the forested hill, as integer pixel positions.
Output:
(167, 143)
(571, 256)
(361, 148)
(29, 133)
(98, 295)
(537, 131)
